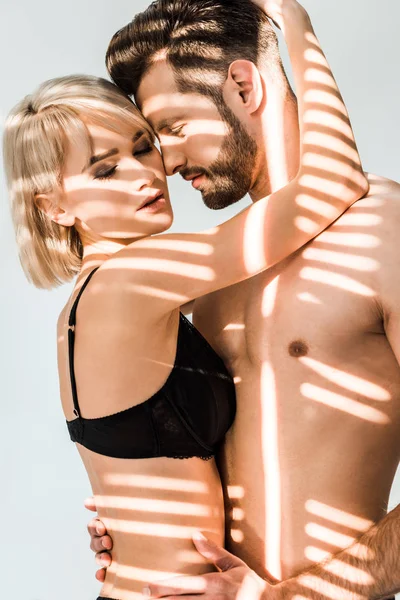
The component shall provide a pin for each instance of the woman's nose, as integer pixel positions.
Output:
(143, 182)
(140, 176)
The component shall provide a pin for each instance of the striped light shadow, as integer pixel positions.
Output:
(316, 205)
(340, 517)
(272, 474)
(336, 280)
(197, 248)
(327, 535)
(154, 529)
(328, 590)
(156, 483)
(343, 403)
(338, 567)
(354, 219)
(235, 492)
(150, 505)
(234, 327)
(353, 240)
(350, 382)
(341, 259)
(307, 297)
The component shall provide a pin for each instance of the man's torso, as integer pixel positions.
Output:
(310, 459)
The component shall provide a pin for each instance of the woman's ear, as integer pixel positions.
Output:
(47, 204)
(244, 87)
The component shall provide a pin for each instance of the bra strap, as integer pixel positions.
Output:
(71, 343)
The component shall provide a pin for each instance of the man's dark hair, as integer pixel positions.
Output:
(198, 38)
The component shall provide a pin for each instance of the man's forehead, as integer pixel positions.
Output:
(156, 87)
(162, 104)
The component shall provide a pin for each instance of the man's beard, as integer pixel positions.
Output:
(229, 178)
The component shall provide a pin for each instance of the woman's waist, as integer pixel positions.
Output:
(138, 560)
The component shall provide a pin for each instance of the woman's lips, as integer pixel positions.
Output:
(155, 205)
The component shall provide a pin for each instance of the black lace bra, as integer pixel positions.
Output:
(189, 416)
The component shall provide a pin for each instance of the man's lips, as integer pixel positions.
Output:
(195, 179)
(196, 182)
(191, 177)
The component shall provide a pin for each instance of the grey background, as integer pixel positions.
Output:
(44, 545)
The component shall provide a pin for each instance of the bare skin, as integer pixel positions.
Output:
(324, 333)
(313, 346)
(127, 321)
(314, 515)
(318, 387)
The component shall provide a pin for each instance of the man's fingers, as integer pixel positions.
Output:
(90, 504)
(177, 586)
(220, 557)
(191, 597)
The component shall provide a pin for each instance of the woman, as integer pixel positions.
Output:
(140, 387)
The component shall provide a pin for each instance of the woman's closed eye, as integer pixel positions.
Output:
(144, 148)
(105, 173)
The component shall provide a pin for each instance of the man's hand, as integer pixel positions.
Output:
(234, 581)
(100, 542)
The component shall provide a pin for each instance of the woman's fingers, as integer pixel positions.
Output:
(96, 527)
(90, 504)
(99, 540)
(101, 575)
(101, 544)
(103, 559)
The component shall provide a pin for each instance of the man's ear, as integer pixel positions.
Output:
(47, 204)
(244, 87)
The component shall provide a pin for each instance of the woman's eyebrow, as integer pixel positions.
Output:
(98, 157)
(139, 135)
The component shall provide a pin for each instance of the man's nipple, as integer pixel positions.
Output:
(298, 348)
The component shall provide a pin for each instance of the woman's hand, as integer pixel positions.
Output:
(276, 9)
(100, 542)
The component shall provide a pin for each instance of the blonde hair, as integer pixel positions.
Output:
(35, 142)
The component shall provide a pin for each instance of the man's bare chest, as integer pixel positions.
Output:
(305, 306)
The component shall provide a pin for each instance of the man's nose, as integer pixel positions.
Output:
(174, 159)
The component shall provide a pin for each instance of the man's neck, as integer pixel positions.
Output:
(279, 162)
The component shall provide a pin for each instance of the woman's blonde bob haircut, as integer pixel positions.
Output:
(36, 138)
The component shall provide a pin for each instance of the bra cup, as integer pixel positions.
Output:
(188, 417)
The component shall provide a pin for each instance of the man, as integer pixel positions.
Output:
(313, 344)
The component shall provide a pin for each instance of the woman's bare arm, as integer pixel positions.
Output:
(173, 269)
